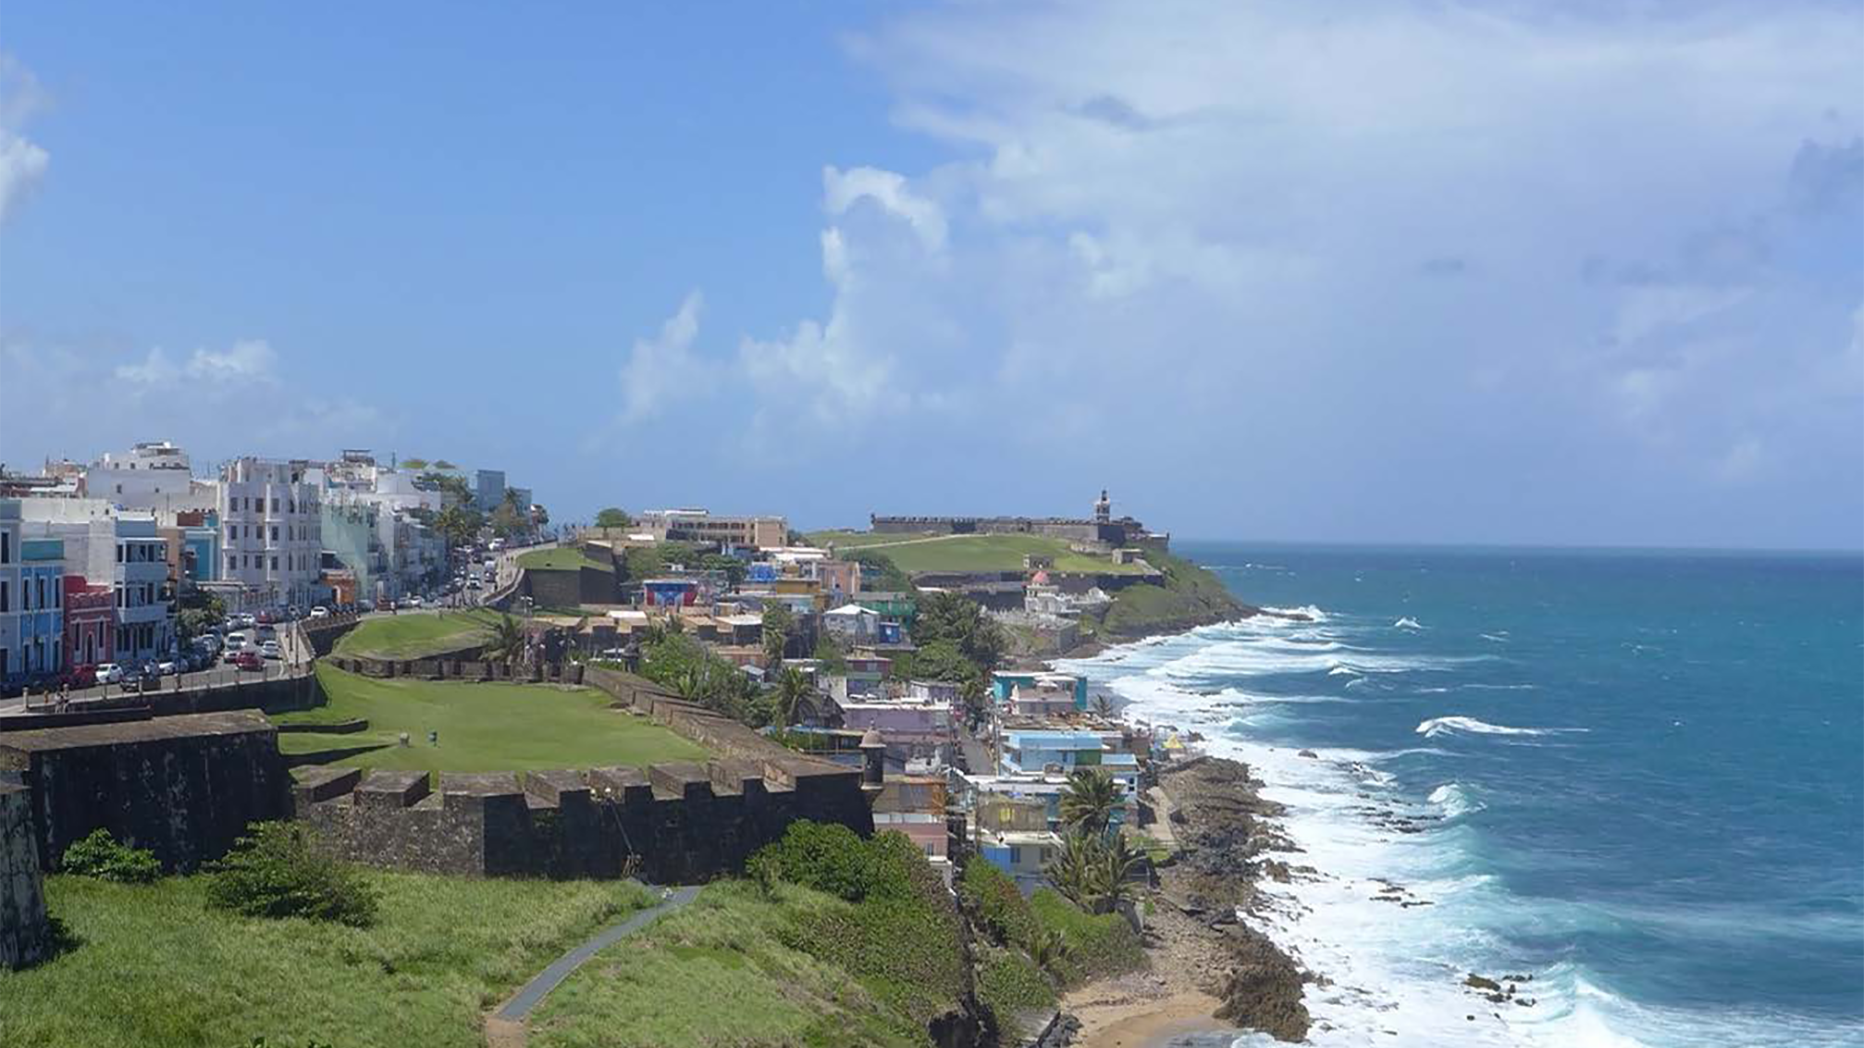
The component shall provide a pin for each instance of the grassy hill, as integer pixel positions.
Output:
(153, 966)
(561, 558)
(483, 727)
(417, 634)
(971, 552)
(1189, 596)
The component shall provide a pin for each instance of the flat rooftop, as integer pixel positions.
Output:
(156, 729)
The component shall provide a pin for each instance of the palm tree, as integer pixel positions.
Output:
(1073, 871)
(792, 695)
(1048, 949)
(1103, 706)
(1089, 800)
(1114, 860)
(507, 642)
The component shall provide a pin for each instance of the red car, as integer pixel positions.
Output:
(82, 676)
(249, 660)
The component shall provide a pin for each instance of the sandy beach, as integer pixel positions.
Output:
(1137, 1023)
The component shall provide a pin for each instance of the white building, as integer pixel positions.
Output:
(852, 623)
(271, 535)
(152, 475)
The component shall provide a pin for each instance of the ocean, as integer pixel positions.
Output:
(1637, 778)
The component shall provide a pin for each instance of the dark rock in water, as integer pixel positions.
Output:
(1496, 998)
(1263, 991)
(1308, 753)
(1481, 983)
(1525, 1002)
(1518, 978)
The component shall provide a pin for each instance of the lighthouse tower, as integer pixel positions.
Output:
(1103, 510)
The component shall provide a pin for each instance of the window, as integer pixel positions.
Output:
(41, 598)
(274, 533)
(3, 597)
(119, 553)
(1016, 856)
(275, 562)
(232, 532)
(274, 503)
(6, 547)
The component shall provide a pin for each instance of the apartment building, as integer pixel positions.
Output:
(271, 532)
(698, 525)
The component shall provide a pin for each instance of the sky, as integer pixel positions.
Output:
(1512, 273)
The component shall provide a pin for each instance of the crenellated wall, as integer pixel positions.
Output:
(669, 823)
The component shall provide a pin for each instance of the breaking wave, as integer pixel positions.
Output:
(1437, 726)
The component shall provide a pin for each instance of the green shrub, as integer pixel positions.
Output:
(828, 857)
(901, 937)
(1093, 944)
(1010, 984)
(996, 904)
(99, 855)
(279, 871)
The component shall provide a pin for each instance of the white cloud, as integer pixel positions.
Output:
(663, 369)
(22, 162)
(841, 190)
(248, 363)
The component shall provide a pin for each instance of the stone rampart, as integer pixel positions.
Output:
(669, 823)
(183, 786)
(25, 933)
(463, 669)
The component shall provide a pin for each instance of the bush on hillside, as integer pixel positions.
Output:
(903, 940)
(1093, 944)
(996, 905)
(827, 857)
(1011, 985)
(100, 855)
(279, 871)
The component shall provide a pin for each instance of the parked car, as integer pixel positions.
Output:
(249, 660)
(167, 668)
(269, 649)
(320, 612)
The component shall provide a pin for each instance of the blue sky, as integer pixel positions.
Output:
(1342, 272)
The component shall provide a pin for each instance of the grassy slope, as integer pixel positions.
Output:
(719, 973)
(1191, 596)
(976, 552)
(416, 634)
(155, 968)
(483, 727)
(561, 558)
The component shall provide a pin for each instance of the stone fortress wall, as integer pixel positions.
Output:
(671, 823)
(25, 933)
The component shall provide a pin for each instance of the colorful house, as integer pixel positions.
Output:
(670, 593)
(1063, 688)
(90, 623)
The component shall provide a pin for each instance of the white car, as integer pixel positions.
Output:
(320, 612)
(109, 673)
(269, 649)
(168, 668)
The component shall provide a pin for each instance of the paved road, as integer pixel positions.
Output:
(292, 645)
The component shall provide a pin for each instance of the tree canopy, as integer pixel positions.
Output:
(961, 621)
(613, 517)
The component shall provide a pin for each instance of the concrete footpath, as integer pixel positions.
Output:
(505, 1028)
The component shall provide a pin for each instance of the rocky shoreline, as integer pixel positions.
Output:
(1208, 967)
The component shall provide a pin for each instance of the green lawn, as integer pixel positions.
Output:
(561, 558)
(719, 973)
(483, 727)
(155, 968)
(973, 552)
(416, 634)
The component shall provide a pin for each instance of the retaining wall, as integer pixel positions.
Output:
(183, 786)
(671, 823)
(25, 933)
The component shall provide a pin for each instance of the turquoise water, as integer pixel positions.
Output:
(1639, 779)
